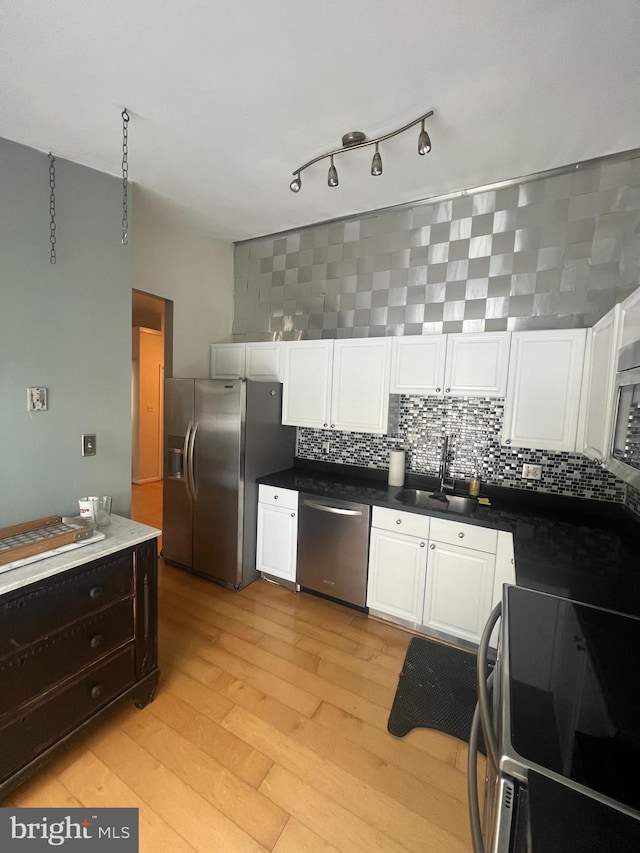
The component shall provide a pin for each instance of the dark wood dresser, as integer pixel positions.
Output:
(72, 645)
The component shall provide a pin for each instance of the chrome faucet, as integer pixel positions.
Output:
(444, 465)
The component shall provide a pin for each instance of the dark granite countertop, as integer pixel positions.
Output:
(581, 549)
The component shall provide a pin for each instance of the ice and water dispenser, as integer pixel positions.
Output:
(175, 456)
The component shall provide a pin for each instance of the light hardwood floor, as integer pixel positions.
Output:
(268, 733)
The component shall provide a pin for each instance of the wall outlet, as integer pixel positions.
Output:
(37, 399)
(532, 472)
(325, 447)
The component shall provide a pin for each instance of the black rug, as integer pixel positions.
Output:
(436, 690)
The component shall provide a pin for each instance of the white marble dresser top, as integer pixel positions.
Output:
(121, 533)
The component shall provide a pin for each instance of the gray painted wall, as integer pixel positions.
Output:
(66, 327)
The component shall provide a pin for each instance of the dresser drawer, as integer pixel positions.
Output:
(39, 727)
(40, 609)
(24, 675)
(466, 535)
(409, 523)
(288, 498)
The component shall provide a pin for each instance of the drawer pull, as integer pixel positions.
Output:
(432, 546)
(95, 592)
(96, 641)
(275, 497)
(460, 535)
(398, 521)
(96, 691)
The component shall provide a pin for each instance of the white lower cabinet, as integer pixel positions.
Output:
(441, 574)
(458, 591)
(277, 538)
(397, 564)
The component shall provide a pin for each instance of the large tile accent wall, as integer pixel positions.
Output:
(551, 252)
(474, 426)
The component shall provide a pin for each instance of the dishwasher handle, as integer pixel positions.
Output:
(335, 510)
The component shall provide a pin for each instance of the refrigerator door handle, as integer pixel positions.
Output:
(190, 454)
(185, 457)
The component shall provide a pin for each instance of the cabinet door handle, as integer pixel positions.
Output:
(438, 390)
(447, 390)
(333, 426)
(398, 521)
(96, 691)
(432, 546)
(325, 425)
(422, 544)
(293, 515)
(508, 441)
(460, 535)
(96, 641)
(95, 592)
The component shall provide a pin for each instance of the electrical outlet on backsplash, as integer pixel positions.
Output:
(474, 425)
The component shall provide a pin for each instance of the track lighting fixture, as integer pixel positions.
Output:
(357, 139)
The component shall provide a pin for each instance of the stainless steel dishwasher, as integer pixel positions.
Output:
(333, 547)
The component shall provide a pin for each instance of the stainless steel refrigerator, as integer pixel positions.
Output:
(219, 436)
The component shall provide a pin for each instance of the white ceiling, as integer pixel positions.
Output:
(228, 97)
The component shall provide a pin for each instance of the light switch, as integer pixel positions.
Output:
(89, 444)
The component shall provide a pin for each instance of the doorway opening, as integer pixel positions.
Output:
(152, 348)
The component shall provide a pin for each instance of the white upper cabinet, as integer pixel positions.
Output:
(263, 361)
(259, 361)
(417, 365)
(341, 385)
(360, 391)
(603, 341)
(227, 361)
(477, 365)
(630, 319)
(455, 365)
(306, 395)
(543, 390)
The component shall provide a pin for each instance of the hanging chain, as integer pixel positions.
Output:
(125, 177)
(52, 207)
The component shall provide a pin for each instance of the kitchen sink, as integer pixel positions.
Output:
(431, 500)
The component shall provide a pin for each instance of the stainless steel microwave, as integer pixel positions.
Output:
(624, 458)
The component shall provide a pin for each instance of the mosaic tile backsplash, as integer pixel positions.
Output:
(474, 426)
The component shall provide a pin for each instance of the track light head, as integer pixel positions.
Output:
(296, 183)
(424, 143)
(332, 179)
(376, 163)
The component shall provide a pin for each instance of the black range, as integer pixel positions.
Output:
(580, 549)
